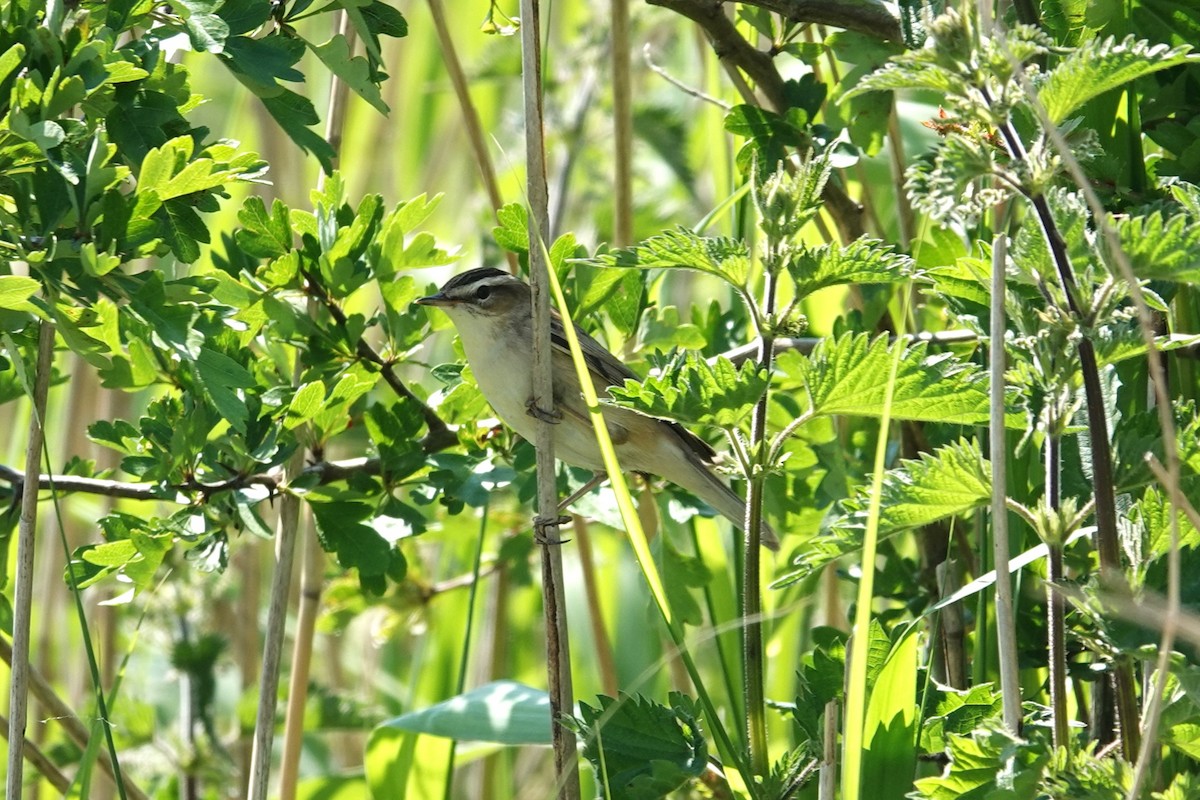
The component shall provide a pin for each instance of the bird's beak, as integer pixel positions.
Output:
(439, 299)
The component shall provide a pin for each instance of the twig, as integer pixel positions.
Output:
(470, 114)
(45, 767)
(678, 84)
(1006, 636)
(439, 437)
(18, 696)
(558, 658)
(872, 19)
(806, 344)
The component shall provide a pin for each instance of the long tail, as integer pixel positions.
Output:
(711, 489)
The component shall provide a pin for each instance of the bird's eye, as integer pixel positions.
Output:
(483, 293)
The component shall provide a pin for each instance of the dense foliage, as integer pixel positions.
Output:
(810, 283)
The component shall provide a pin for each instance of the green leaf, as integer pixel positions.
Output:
(960, 712)
(848, 376)
(513, 231)
(681, 574)
(506, 712)
(342, 530)
(354, 70)
(1099, 66)
(224, 381)
(952, 480)
(692, 391)
(728, 259)
(263, 234)
(305, 404)
(15, 291)
(862, 261)
(1157, 247)
(987, 761)
(294, 114)
(639, 748)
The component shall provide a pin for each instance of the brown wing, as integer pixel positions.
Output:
(607, 370)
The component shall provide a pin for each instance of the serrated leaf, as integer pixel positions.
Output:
(848, 376)
(342, 530)
(728, 259)
(978, 760)
(263, 234)
(506, 712)
(1099, 66)
(513, 231)
(354, 70)
(1166, 249)
(639, 748)
(950, 481)
(695, 392)
(862, 261)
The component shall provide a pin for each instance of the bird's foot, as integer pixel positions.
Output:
(554, 416)
(542, 526)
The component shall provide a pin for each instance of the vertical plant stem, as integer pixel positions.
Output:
(622, 127)
(312, 569)
(1006, 633)
(752, 633)
(18, 695)
(827, 783)
(312, 578)
(268, 683)
(558, 659)
(468, 625)
(1055, 604)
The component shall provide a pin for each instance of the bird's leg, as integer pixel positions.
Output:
(537, 412)
(540, 524)
(597, 479)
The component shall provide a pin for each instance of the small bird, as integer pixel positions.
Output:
(491, 310)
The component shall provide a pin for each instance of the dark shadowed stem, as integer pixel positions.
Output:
(18, 696)
(1055, 605)
(752, 636)
(1006, 636)
(1107, 542)
(558, 657)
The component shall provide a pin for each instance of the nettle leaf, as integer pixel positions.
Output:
(1154, 514)
(849, 376)
(862, 261)
(1167, 249)
(977, 762)
(1099, 66)
(639, 748)
(728, 259)
(952, 480)
(695, 392)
